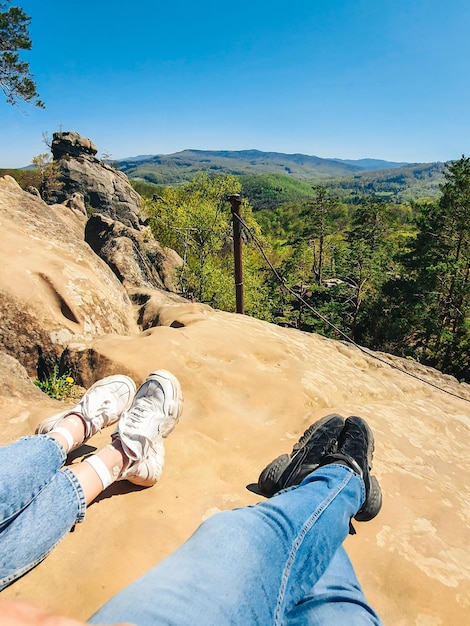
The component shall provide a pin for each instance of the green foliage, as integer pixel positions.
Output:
(57, 387)
(317, 223)
(403, 184)
(426, 306)
(145, 189)
(24, 178)
(270, 191)
(16, 81)
(368, 256)
(195, 220)
(173, 169)
(50, 174)
(392, 276)
(270, 179)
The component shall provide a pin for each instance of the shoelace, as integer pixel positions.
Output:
(140, 410)
(306, 436)
(100, 417)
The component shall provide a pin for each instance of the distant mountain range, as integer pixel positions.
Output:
(168, 169)
(397, 181)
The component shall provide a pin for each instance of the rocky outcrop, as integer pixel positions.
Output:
(76, 202)
(133, 255)
(71, 144)
(53, 289)
(104, 189)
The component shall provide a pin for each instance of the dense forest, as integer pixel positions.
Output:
(390, 275)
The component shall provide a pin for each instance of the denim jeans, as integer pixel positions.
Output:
(40, 501)
(278, 562)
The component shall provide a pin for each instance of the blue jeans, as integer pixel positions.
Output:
(278, 562)
(40, 501)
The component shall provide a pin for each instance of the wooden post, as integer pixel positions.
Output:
(235, 201)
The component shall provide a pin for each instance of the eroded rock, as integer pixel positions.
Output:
(133, 255)
(53, 288)
(104, 189)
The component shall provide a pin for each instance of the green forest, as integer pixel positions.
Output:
(390, 275)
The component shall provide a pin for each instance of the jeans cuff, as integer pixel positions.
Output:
(51, 441)
(79, 493)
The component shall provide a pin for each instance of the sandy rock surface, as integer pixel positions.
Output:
(53, 289)
(250, 390)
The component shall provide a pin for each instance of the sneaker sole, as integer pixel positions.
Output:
(174, 405)
(373, 502)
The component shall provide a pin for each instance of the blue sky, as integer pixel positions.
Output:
(338, 78)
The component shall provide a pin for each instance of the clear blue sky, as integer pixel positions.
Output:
(334, 78)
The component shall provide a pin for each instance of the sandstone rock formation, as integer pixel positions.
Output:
(105, 189)
(250, 390)
(133, 255)
(53, 289)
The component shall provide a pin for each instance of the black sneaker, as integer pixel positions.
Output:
(290, 469)
(355, 449)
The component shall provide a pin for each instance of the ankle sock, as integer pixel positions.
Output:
(66, 434)
(100, 468)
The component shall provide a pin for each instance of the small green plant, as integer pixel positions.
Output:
(57, 387)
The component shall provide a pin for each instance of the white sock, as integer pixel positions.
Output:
(65, 434)
(100, 468)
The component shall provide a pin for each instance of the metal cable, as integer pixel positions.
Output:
(369, 353)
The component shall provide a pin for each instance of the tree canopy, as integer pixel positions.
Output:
(16, 81)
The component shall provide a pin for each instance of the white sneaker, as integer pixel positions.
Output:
(102, 405)
(154, 413)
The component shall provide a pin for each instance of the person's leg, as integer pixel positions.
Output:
(40, 526)
(251, 565)
(256, 564)
(51, 511)
(26, 468)
(30, 464)
(337, 598)
(39, 500)
(43, 502)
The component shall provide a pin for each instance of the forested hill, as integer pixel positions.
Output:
(170, 169)
(400, 184)
(276, 176)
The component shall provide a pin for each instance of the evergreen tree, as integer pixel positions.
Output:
(368, 256)
(16, 81)
(317, 225)
(442, 265)
(427, 309)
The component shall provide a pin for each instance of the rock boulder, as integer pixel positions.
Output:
(250, 389)
(133, 255)
(104, 189)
